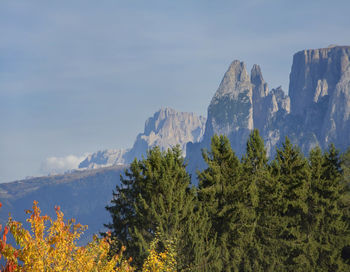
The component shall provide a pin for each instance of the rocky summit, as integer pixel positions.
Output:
(320, 95)
(166, 128)
(316, 112)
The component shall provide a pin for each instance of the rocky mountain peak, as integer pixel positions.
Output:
(282, 99)
(231, 109)
(154, 123)
(315, 73)
(260, 86)
(319, 94)
(166, 128)
(235, 77)
(260, 91)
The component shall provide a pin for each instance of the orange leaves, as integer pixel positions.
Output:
(51, 245)
(10, 265)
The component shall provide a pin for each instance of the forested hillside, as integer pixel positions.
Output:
(290, 213)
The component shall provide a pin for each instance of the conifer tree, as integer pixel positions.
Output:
(345, 166)
(292, 176)
(155, 197)
(218, 193)
(204, 254)
(257, 195)
(329, 231)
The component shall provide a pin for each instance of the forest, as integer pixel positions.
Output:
(286, 213)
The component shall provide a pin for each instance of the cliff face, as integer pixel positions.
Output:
(241, 103)
(166, 128)
(317, 112)
(319, 92)
(315, 74)
(231, 110)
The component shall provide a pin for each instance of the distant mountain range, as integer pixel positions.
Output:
(316, 112)
(82, 195)
(165, 129)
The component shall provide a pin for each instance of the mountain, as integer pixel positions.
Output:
(166, 128)
(104, 158)
(82, 195)
(316, 112)
(320, 94)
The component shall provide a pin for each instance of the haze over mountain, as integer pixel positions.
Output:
(317, 112)
(165, 129)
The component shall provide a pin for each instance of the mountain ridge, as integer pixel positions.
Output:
(241, 103)
(166, 128)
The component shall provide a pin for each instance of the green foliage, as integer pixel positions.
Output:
(291, 213)
(217, 186)
(328, 230)
(253, 190)
(292, 174)
(155, 196)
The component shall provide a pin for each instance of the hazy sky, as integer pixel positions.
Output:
(80, 76)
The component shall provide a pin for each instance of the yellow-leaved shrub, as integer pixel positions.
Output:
(51, 245)
(160, 260)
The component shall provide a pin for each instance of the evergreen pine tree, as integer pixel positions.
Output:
(292, 175)
(257, 194)
(328, 231)
(218, 193)
(155, 196)
(345, 166)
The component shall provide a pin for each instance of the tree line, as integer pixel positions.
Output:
(287, 213)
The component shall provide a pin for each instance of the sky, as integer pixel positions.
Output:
(81, 76)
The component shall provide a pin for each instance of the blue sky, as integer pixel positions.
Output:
(80, 76)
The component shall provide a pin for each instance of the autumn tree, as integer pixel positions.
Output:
(51, 245)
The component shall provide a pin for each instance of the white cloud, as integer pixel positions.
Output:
(59, 165)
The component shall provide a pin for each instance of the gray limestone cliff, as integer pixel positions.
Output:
(241, 103)
(231, 110)
(316, 112)
(319, 91)
(260, 91)
(166, 128)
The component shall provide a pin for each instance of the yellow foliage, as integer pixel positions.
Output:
(160, 261)
(51, 246)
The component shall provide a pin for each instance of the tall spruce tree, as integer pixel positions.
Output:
(257, 194)
(345, 165)
(218, 193)
(155, 196)
(292, 175)
(328, 231)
